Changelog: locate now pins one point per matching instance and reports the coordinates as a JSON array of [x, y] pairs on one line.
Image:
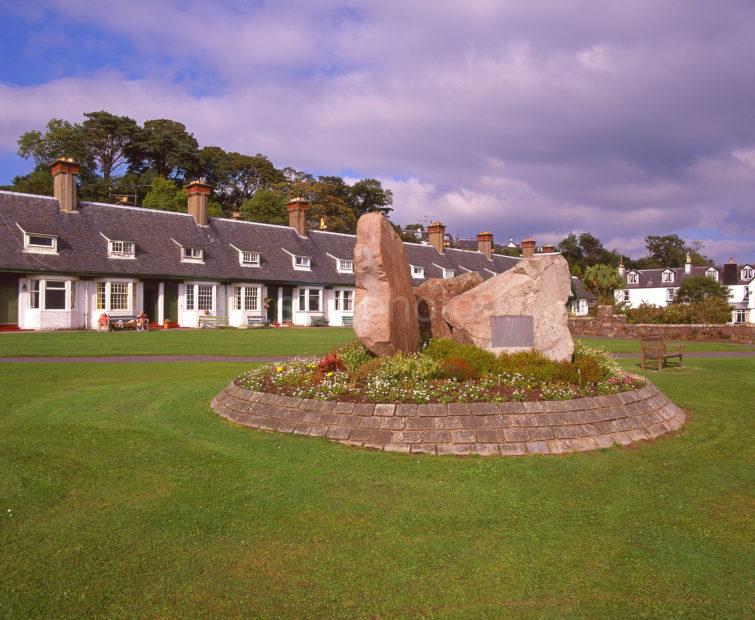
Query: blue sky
[[526, 118]]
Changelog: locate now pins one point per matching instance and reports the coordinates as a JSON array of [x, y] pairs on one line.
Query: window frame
[[241, 297], [340, 301], [103, 289], [670, 293], [748, 273], [301, 263], [191, 297], [417, 272], [250, 263], [667, 277], [625, 296], [191, 254], [448, 274], [633, 278], [34, 248], [344, 265], [305, 293], [712, 273], [121, 254], [37, 289]]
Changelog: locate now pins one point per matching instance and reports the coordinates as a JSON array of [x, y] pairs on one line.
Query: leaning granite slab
[[488, 429], [432, 297], [520, 309], [385, 311]]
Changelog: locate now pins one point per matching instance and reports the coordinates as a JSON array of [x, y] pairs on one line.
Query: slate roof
[[579, 291], [158, 235], [652, 278]]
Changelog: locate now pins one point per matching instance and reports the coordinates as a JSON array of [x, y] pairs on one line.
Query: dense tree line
[[148, 165], [586, 250]]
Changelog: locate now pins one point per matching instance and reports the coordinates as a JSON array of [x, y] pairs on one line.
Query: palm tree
[[602, 280]]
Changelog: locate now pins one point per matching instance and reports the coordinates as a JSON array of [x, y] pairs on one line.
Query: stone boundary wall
[[489, 429], [616, 326]]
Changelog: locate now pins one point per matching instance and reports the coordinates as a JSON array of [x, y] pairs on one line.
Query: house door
[[9, 301], [287, 303], [272, 306], [170, 302], [151, 298]]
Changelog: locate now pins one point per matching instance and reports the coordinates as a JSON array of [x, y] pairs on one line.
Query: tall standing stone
[[385, 312], [520, 309], [433, 295]]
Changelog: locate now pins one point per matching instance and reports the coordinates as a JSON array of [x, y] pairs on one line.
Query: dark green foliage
[[603, 280], [712, 310], [164, 195], [479, 359], [39, 181], [700, 288]]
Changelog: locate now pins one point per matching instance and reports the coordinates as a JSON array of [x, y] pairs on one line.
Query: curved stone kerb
[[514, 428]]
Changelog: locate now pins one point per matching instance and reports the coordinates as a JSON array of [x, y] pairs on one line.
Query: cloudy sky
[[527, 118]]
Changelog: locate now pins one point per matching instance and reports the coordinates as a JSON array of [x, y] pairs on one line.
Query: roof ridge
[[8, 191]]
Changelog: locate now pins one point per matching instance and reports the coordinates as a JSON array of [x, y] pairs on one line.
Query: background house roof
[[83, 250]]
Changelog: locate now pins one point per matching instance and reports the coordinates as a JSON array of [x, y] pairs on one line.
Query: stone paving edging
[[489, 429]]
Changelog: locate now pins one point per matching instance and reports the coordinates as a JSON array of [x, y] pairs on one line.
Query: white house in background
[[64, 262], [658, 286]]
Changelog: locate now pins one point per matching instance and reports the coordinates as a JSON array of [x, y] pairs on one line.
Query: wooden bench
[[213, 322], [318, 321], [347, 321], [656, 351], [257, 321]]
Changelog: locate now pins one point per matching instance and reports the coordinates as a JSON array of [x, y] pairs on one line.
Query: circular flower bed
[[444, 372]]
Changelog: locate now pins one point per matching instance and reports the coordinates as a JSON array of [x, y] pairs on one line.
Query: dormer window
[[40, 244], [249, 259], [448, 273], [121, 249], [345, 266], [748, 273], [667, 276], [418, 272], [302, 263], [633, 278], [192, 255], [712, 273]]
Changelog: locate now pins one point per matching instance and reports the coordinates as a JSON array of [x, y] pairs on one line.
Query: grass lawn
[[122, 494], [289, 341], [618, 345], [233, 342]]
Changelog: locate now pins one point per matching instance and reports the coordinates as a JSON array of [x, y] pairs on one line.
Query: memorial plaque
[[513, 330]]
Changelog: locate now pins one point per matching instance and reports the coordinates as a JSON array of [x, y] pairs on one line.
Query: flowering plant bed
[[444, 372]]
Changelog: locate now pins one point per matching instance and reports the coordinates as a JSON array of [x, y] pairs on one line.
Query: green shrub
[[368, 369], [711, 310], [459, 369], [484, 362], [353, 354], [402, 367]]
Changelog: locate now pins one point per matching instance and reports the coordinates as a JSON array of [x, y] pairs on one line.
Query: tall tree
[[166, 147], [106, 137], [59, 139], [165, 196], [666, 250], [602, 280], [700, 288], [369, 195], [267, 206]]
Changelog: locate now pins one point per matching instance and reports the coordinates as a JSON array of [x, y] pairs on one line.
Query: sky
[[527, 118]]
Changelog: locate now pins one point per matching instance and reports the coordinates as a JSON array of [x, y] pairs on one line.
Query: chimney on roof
[[297, 215], [198, 194], [64, 172], [730, 272], [485, 244], [688, 264], [621, 269], [528, 248], [549, 248], [436, 234]]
